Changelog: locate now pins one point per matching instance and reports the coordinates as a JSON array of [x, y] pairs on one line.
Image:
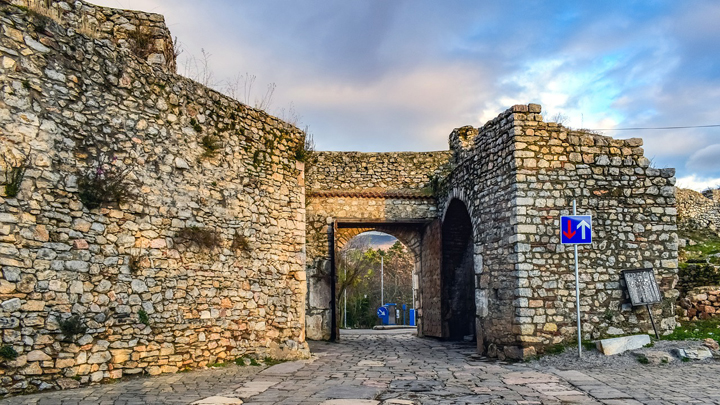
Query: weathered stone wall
[[117, 26], [634, 226], [517, 175], [372, 187], [391, 171], [696, 211], [429, 306], [484, 180], [68, 100]]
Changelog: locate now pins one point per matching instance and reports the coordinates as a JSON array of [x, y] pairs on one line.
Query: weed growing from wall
[[196, 125], [202, 237], [240, 243], [135, 264], [211, 144], [305, 152], [71, 327], [105, 182], [143, 317], [7, 352], [141, 42], [13, 179]]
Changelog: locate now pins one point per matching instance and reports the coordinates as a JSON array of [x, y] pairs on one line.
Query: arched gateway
[[483, 223]]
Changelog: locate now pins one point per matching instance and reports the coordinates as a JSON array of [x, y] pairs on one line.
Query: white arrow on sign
[[582, 225]]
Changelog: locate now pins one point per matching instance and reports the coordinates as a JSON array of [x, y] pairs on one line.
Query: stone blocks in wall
[[144, 34], [634, 226], [149, 299], [518, 174]]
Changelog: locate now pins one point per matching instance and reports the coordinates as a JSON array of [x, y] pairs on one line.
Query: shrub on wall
[[211, 144], [105, 182], [7, 352], [13, 179], [240, 243], [141, 42], [305, 152], [71, 327], [202, 237]]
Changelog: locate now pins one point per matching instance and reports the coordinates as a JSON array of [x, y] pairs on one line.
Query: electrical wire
[[644, 128]]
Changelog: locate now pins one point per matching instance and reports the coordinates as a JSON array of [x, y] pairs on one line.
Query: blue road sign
[[576, 229], [382, 311]]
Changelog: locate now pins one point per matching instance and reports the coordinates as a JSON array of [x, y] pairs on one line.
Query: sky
[[399, 75]]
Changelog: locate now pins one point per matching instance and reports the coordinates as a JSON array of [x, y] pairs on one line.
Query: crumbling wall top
[[145, 33]]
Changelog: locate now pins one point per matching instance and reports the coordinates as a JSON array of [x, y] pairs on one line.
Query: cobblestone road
[[398, 368]]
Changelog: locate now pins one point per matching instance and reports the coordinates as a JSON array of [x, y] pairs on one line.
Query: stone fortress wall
[[481, 218], [515, 177], [699, 211], [68, 100]]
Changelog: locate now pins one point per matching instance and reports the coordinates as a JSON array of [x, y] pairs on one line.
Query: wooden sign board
[[642, 286]]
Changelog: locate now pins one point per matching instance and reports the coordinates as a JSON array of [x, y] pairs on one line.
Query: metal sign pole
[[577, 293], [657, 336], [382, 282]]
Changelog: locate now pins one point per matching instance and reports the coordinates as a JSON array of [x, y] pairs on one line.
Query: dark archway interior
[[458, 284]]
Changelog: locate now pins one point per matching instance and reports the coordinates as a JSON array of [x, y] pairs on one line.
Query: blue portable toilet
[[392, 314], [412, 317], [386, 313]]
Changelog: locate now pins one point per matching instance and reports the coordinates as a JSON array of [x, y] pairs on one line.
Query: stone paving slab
[[400, 369]]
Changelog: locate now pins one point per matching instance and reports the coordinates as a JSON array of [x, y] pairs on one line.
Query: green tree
[[359, 275]]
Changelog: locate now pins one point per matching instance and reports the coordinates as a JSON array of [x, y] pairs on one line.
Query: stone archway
[[458, 281], [409, 233], [410, 241]]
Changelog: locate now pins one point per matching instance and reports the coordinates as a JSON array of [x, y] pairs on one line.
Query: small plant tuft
[[7, 352], [269, 361], [588, 345], [196, 125], [254, 362], [143, 317], [555, 349], [203, 237], [135, 264], [211, 144], [240, 361], [305, 152], [643, 360], [13, 179], [105, 182], [240, 242], [141, 42], [71, 327]]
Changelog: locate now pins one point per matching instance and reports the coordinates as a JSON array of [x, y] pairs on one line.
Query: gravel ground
[[594, 359]]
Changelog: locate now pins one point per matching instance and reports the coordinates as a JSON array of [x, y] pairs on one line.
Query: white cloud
[[366, 76], [706, 159], [696, 183]]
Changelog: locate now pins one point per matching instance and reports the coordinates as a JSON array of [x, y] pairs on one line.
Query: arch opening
[[458, 281], [361, 283]]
